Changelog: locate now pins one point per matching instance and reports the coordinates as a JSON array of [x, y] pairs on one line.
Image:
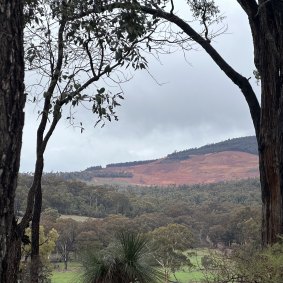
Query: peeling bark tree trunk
[[12, 101], [269, 60]]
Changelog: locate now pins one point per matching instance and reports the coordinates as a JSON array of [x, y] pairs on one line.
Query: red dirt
[[208, 168]]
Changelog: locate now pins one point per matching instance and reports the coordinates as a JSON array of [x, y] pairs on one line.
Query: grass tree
[[125, 260]]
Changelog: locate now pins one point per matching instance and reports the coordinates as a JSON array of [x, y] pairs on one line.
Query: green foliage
[[70, 45], [47, 243], [226, 212], [247, 264], [44, 273], [132, 163], [124, 261], [68, 231], [207, 262], [205, 10], [173, 237], [168, 244], [112, 174], [260, 266], [92, 168], [246, 144]]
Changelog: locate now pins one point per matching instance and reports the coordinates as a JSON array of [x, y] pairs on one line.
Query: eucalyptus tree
[[68, 231], [12, 101], [266, 25], [68, 51], [168, 244]]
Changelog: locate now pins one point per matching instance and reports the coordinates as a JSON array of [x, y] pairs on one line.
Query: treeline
[[93, 168], [227, 212], [112, 174], [88, 175], [131, 163], [85, 175], [245, 144]]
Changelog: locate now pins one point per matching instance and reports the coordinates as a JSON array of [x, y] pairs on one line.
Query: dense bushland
[[226, 212]]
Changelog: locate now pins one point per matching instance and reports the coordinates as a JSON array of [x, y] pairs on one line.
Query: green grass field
[[186, 275], [73, 276], [70, 276], [64, 277], [192, 274]]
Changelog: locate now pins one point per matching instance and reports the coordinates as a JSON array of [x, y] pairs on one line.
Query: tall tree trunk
[[34, 203], [35, 256], [14, 258], [35, 223], [36, 187], [270, 64], [12, 101]]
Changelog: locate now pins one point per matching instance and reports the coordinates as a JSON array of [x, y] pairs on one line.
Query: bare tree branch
[[239, 80]]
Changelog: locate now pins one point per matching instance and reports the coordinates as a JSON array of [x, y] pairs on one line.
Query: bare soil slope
[[206, 168]]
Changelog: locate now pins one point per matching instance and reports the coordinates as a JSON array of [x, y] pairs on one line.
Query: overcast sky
[[194, 104]]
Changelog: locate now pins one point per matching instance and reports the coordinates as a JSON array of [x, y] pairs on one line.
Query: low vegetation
[[237, 265], [85, 217]]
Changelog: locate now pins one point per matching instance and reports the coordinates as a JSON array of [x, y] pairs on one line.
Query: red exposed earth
[[206, 168]]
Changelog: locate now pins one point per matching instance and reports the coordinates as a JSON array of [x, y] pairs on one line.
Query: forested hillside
[[219, 211], [244, 144]]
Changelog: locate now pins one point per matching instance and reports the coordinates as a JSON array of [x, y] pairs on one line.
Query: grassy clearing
[[196, 255], [76, 217], [72, 276], [195, 273], [59, 275], [185, 275], [64, 277]]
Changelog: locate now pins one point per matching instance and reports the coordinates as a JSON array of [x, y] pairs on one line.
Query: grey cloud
[[195, 105]]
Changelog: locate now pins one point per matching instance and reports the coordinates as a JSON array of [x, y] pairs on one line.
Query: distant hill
[[245, 144], [232, 159]]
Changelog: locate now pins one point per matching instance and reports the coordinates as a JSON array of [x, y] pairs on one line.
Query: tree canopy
[[71, 44]]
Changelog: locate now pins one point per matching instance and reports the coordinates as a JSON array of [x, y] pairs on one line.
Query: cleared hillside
[[206, 168], [228, 160], [243, 144]]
